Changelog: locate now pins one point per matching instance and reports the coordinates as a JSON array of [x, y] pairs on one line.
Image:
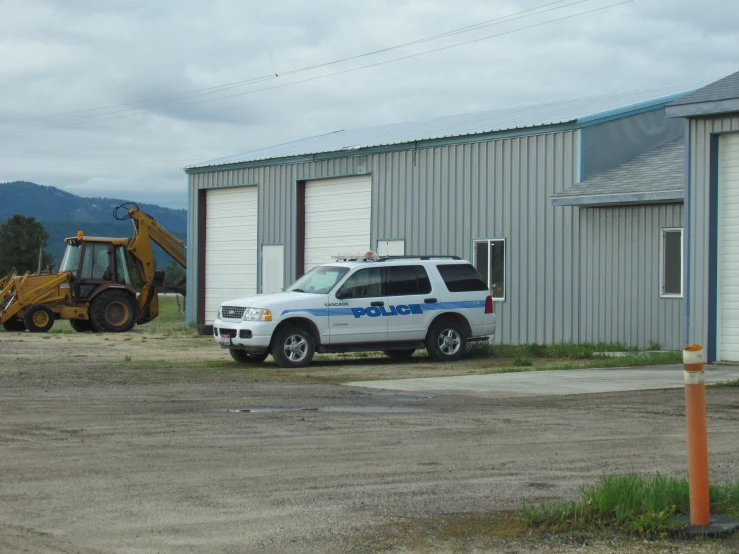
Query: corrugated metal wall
[[698, 203], [440, 199], [620, 276]]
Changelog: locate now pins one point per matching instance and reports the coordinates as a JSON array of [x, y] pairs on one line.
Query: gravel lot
[[104, 454]]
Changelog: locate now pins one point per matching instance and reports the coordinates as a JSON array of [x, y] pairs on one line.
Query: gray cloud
[[76, 54]]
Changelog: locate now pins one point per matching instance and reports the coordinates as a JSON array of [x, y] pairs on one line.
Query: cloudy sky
[[130, 75]]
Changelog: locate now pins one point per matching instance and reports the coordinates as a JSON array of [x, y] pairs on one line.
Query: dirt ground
[[133, 443]]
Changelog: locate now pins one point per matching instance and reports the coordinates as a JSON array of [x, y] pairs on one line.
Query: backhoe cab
[[93, 288]]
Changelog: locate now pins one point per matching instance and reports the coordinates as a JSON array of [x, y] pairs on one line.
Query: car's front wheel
[[446, 340], [293, 347], [247, 358]]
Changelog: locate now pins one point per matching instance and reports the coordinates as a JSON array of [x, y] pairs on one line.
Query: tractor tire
[[38, 318], [14, 325], [113, 312], [247, 358], [81, 325]]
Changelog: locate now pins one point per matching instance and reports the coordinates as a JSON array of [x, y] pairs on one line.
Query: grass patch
[[633, 504], [728, 384], [568, 351]]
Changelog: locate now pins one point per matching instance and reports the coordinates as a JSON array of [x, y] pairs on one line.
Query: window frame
[[386, 280], [352, 274], [488, 241], [663, 236]]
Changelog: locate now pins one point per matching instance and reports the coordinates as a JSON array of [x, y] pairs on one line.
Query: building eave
[[620, 199], [700, 109]]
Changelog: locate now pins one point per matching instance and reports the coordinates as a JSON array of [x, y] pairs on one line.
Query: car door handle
[[430, 300], [378, 303]]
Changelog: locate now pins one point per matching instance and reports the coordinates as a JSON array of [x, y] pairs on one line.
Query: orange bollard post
[[695, 414], [700, 522]]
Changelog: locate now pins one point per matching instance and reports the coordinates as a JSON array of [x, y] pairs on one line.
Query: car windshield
[[319, 280]]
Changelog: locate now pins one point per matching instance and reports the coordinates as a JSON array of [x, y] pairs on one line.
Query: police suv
[[363, 303]]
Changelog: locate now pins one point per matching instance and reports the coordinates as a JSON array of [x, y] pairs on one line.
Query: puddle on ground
[[354, 409]]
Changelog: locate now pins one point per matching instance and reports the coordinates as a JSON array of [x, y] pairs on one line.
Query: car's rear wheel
[[247, 358], [446, 340], [400, 354], [293, 347]]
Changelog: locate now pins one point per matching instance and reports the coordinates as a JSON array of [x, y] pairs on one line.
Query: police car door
[[409, 293], [362, 303]]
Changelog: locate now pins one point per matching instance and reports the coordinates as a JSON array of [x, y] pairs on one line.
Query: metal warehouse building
[[711, 116], [572, 211]]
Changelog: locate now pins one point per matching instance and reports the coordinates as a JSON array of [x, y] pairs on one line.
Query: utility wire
[[271, 76], [103, 118]]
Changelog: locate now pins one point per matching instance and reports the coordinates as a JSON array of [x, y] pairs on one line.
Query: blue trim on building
[[591, 201], [686, 235], [626, 111], [713, 267]]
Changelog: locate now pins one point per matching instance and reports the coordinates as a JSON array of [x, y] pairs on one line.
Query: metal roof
[[655, 176], [584, 111], [723, 89]]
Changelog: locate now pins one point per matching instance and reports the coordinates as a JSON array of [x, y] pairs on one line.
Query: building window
[[672, 263], [490, 263]]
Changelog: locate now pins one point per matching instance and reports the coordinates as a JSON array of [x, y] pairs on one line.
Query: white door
[[728, 252], [391, 248], [230, 246], [273, 268], [337, 218]]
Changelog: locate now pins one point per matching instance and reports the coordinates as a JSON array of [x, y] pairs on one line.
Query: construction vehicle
[[93, 288]]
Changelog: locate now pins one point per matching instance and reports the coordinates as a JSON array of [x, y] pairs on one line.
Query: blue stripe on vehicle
[[325, 312]]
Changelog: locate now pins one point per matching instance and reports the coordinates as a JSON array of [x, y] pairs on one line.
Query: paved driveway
[[556, 383]]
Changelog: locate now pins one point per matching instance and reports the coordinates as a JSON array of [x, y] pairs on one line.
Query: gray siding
[[559, 286], [620, 276], [697, 206]]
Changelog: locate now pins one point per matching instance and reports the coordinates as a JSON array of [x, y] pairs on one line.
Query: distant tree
[[20, 240], [174, 276]]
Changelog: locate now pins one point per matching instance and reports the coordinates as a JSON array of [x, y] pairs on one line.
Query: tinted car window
[[365, 283], [461, 278], [407, 280]]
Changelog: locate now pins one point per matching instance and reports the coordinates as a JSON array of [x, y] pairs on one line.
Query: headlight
[[257, 314], [218, 314]]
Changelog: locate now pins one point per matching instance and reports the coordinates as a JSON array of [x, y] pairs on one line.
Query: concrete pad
[[556, 383]]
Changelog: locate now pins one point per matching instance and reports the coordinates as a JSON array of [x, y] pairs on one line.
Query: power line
[[102, 118], [277, 74]]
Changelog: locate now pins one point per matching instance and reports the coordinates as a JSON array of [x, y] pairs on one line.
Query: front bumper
[[252, 336]]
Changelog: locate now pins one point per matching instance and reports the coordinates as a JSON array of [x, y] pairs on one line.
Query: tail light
[[489, 309]]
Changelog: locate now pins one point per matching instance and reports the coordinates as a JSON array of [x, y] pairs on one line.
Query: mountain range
[[62, 214]]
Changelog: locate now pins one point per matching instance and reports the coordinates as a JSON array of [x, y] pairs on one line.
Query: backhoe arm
[[146, 231]]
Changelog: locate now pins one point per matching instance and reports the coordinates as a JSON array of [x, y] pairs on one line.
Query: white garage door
[[337, 218], [728, 254], [230, 246]]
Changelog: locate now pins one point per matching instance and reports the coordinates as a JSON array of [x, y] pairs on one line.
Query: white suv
[[393, 304]]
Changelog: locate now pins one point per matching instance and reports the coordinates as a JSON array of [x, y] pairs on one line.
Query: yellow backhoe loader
[[93, 288]]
